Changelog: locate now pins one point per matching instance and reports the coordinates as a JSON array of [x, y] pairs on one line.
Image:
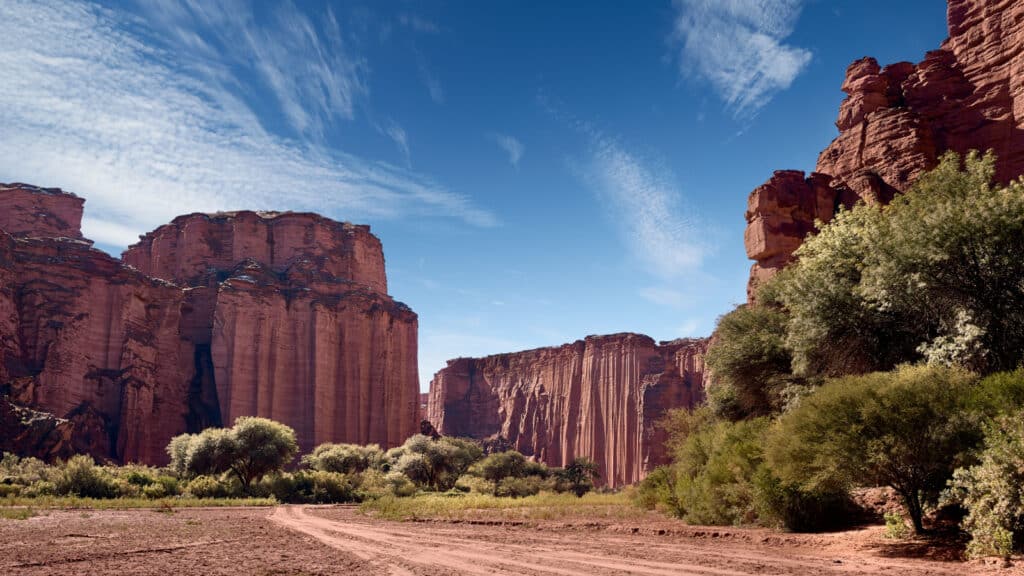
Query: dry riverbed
[[306, 540]]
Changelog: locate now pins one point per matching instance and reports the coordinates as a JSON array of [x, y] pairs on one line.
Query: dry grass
[[17, 513], [74, 503], [543, 506]]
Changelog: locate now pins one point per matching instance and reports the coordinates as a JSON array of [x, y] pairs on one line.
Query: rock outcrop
[[894, 124], [599, 397], [208, 318]]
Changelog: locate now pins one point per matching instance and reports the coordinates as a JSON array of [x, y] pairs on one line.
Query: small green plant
[[895, 527]]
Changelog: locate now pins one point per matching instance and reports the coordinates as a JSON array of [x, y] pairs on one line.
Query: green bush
[[81, 477], [344, 458], [474, 484], [993, 490], [908, 429], [518, 487], [658, 491], [793, 508], [434, 464], [154, 491], [208, 487], [749, 363]]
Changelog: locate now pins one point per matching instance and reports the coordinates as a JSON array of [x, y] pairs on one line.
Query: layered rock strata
[[894, 124], [217, 316], [599, 397]]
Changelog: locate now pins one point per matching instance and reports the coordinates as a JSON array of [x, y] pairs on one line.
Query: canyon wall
[[207, 318], [894, 124], [599, 397]]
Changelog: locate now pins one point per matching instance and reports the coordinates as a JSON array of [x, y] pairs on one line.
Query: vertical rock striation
[[894, 124], [207, 318], [599, 397]]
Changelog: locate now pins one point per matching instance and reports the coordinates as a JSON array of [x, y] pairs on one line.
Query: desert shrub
[[435, 464], [10, 490], [154, 491], [580, 475], [657, 491], [993, 490], [344, 458], [474, 484], [518, 487], [793, 508], [170, 484], [399, 485], [23, 471], [500, 465], [908, 429], [895, 526], [81, 477], [39, 488], [208, 487], [749, 363], [1000, 393], [714, 468]]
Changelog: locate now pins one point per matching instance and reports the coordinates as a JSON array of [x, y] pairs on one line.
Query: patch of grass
[[543, 506], [75, 503], [17, 513]]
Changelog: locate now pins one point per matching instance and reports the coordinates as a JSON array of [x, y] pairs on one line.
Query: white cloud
[[512, 147], [89, 104], [738, 47], [429, 79], [400, 138], [648, 208]]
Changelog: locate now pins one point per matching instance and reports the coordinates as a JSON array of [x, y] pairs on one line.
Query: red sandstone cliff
[[599, 397], [894, 124], [218, 316]]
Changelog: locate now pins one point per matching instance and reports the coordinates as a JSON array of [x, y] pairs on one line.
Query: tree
[[500, 465], [344, 458], [262, 446], [908, 429], [935, 275], [580, 474], [250, 449], [748, 362], [434, 463]]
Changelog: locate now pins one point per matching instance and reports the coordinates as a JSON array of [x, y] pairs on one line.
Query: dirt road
[[439, 548], [299, 540]]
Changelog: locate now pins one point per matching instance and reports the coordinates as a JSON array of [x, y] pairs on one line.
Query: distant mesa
[[600, 397], [210, 317]]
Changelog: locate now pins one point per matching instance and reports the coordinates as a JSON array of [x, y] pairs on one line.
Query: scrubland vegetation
[[253, 463], [888, 354]]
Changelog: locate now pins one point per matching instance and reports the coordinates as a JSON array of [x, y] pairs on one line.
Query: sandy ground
[[296, 540]]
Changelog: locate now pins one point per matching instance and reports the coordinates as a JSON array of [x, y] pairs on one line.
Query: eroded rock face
[[27, 210], [896, 121], [599, 397], [218, 316]]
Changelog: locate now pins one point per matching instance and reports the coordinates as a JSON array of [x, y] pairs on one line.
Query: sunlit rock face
[[599, 397], [894, 124], [205, 319]]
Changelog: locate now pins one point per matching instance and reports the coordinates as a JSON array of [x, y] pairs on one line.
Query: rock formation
[[208, 318], [599, 397], [894, 124]]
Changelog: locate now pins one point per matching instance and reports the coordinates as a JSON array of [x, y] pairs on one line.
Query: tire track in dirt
[[395, 548]]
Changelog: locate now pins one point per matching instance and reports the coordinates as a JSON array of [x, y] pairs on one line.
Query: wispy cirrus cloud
[[92, 103], [738, 46], [649, 208], [513, 148]]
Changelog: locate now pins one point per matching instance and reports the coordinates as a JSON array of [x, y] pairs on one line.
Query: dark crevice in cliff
[[203, 405]]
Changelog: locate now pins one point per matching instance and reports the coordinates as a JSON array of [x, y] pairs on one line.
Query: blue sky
[[537, 171]]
